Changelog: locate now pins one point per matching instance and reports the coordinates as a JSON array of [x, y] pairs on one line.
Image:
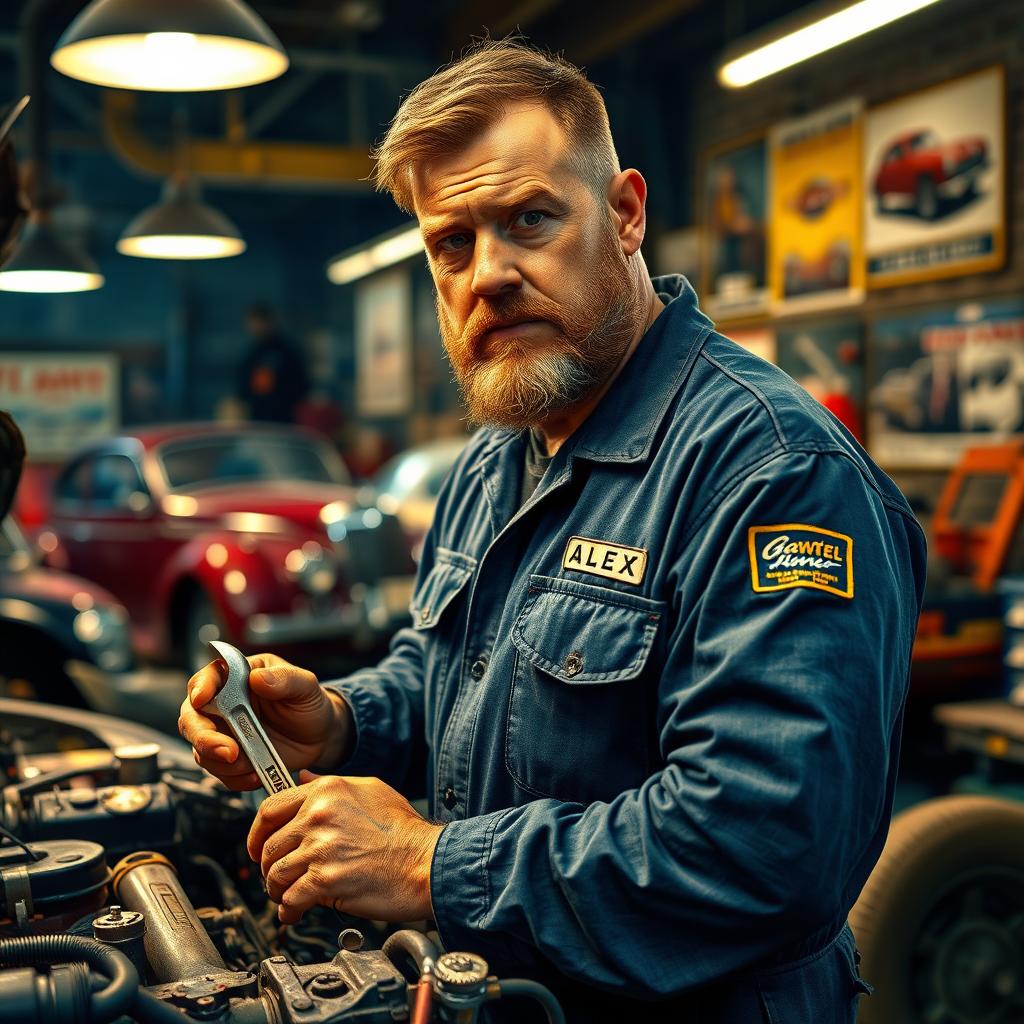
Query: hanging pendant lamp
[[42, 262], [181, 227], [170, 46]]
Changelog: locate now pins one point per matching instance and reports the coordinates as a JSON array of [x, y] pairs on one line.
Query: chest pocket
[[450, 573], [580, 716]]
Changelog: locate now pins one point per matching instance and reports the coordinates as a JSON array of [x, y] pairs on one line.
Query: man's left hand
[[351, 843]]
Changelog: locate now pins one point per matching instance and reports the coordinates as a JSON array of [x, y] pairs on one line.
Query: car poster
[[60, 400], [735, 205], [759, 340], [946, 379], [816, 256], [827, 359], [384, 345], [934, 181]]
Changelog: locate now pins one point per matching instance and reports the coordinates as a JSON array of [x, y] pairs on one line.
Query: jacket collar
[[622, 426]]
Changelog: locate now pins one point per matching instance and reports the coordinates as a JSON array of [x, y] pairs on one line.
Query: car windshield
[[201, 462], [420, 472], [924, 140]]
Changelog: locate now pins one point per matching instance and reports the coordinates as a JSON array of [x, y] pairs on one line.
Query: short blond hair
[[444, 112]]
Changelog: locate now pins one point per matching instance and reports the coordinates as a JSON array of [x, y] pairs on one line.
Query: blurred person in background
[[272, 377]]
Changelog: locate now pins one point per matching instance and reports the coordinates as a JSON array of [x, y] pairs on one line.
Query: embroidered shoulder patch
[[798, 555], [599, 558]]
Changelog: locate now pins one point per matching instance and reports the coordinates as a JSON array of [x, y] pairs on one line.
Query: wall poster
[[734, 205], [384, 345], [934, 166], [827, 359], [816, 256], [945, 379], [60, 400]]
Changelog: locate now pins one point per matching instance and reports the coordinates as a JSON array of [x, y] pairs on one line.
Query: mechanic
[[661, 628]]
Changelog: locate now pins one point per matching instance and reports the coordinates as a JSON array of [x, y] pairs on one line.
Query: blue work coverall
[[659, 705]]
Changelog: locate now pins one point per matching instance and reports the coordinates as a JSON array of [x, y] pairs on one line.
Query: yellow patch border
[[752, 533], [589, 571]]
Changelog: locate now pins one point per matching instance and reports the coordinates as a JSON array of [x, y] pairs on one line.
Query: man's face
[[532, 284]]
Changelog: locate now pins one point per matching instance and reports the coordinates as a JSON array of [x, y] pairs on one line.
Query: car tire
[[31, 670], [926, 198], [940, 923], [202, 623]]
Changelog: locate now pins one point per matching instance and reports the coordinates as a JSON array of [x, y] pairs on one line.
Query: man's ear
[[627, 196]]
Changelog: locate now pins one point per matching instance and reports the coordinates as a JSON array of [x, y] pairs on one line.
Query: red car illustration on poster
[[252, 534], [923, 175]]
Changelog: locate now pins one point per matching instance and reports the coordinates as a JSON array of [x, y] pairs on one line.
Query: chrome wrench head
[[232, 704]]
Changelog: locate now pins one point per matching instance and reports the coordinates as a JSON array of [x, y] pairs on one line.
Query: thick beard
[[513, 386]]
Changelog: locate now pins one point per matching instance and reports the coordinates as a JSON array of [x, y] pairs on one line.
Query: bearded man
[[655, 698]]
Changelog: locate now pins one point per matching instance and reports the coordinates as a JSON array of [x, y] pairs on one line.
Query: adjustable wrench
[[232, 704]]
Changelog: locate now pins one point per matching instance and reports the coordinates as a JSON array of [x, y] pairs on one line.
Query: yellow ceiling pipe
[[235, 159]]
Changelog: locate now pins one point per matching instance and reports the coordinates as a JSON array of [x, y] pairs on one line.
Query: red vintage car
[[249, 533], [921, 174]]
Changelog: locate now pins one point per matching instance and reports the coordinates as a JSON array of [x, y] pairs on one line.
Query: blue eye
[[531, 218], [453, 243]]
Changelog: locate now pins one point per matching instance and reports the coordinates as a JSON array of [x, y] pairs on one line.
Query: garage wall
[[951, 39]]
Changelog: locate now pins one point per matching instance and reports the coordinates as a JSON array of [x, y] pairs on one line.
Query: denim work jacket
[[658, 707]]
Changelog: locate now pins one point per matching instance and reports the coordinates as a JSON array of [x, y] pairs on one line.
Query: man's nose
[[494, 270]]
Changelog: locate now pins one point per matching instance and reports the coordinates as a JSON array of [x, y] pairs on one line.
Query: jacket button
[[573, 663], [478, 668], [449, 799]]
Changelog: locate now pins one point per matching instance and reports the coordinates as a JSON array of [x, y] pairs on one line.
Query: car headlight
[[105, 632], [312, 567]]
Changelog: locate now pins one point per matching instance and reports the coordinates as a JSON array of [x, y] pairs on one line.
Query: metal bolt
[[115, 912], [351, 939]]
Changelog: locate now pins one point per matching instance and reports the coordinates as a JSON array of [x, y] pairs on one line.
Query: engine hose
[[536, 991], [412, 943], [108, 1003]]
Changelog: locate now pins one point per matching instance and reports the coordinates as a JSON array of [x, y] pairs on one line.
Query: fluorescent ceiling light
[[43, 263], [375, 255], [156, 45], [821, 35], [181, 227]]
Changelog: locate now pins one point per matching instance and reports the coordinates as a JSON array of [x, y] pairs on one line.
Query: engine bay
[[126, 891]]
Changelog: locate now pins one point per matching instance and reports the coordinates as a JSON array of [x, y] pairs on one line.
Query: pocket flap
[[585, 634], [449, 574]]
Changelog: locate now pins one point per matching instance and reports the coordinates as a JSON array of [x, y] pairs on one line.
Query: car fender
[[52, 623], [213, 561]]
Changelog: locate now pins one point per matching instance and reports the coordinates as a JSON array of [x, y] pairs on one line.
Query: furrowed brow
[[434, 229]]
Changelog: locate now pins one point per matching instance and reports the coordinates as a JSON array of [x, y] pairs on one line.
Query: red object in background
[[844, 408], [249, 533], [32, 504], [918, 170]]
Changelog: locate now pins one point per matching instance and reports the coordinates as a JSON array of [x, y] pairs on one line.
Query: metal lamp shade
[[169, 46], [181, 227], [44, 263]]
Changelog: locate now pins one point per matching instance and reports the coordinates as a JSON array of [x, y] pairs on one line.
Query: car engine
[[126, 891]]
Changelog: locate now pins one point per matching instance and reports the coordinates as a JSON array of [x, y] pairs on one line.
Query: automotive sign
[[934, 173], [60, 401], [816, 258], [944, 380]]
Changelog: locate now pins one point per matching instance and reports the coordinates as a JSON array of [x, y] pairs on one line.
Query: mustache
[[513, 309]]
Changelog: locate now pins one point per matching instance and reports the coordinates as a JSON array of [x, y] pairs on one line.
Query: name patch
[[797, 555], [599, 558]]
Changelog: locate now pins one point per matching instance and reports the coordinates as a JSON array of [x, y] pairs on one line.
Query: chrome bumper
[[376, 611]]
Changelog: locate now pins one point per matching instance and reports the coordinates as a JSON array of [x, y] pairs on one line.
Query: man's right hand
[[309, 725]]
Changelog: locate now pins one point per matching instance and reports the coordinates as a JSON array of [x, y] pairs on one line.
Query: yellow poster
[[816, 258]]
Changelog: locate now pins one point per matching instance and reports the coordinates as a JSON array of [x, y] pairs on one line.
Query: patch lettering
[[791, 555], [599, 558]]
